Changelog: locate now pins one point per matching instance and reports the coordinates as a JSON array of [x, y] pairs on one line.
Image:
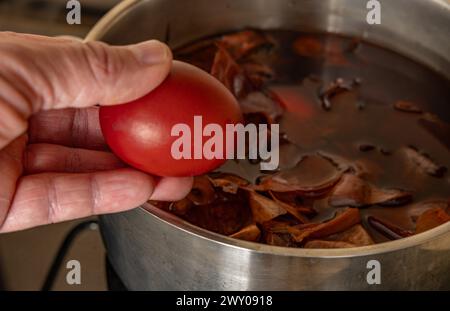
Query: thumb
[[113, 75], [42, 73]]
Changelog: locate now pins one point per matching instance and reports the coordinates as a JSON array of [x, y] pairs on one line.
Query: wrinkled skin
[[54, 163]]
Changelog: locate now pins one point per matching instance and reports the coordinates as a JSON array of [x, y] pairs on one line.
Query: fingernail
[[151, 52]]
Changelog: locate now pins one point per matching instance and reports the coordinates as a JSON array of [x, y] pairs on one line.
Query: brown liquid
[[360, 117]]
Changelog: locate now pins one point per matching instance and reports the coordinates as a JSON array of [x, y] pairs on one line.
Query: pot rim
[[109, 18], [179, 224], [183, 226]]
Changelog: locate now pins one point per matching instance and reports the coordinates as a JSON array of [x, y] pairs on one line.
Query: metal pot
[[153, 250]]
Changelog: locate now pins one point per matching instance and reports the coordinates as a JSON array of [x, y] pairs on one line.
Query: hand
[[54, 163]]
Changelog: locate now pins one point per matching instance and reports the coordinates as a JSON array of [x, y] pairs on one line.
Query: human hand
[[54, 163]]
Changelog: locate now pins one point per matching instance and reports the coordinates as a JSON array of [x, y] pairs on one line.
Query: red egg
[[140, 132]]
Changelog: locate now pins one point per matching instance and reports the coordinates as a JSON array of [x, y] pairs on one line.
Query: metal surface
[[155, 250]]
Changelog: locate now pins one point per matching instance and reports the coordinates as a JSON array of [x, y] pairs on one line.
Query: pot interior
[[181, 22], [414, 28]]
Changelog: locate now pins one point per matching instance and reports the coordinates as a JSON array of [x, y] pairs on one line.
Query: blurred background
[[26, 257], [48, 17]]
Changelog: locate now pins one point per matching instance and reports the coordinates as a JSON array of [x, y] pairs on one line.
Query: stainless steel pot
[[153, 250]]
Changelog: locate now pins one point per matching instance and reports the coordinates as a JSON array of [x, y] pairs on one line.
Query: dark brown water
[[362, 126]]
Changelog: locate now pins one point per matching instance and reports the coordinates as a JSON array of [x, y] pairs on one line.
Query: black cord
[[56, 265]]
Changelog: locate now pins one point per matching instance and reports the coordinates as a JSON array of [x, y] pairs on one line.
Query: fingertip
[[157, 64], [120, 74], [123, 189], [152, 52], [172, 188], [154, 63]]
